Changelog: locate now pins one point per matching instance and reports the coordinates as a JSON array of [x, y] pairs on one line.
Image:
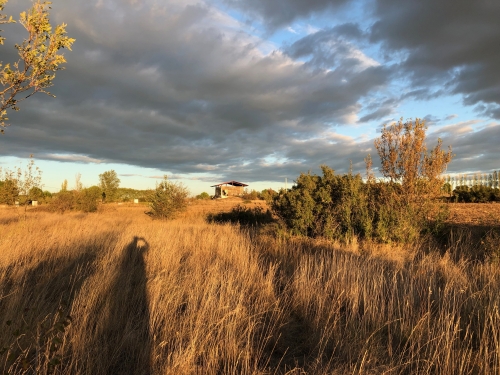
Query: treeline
[[491, 180], [266, 194], [475, 194], [476, 188], [22, 187], [85, 199]]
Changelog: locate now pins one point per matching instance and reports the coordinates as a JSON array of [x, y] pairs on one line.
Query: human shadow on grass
[[122, 337]]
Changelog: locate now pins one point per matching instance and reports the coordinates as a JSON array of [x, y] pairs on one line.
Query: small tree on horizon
[[168, 199], [406, 159], [109, 183]]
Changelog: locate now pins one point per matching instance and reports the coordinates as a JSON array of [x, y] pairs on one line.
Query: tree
[[39, 58], [36, 193], [8, 191], [86, 199], [446, 188], [64, 186], [78, 182], [109, 183], [406, 160], [168, 199], [203, 196]]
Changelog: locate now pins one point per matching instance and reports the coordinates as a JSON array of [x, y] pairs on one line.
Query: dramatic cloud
[[453, 44], [192, 88], [474, 143], [277, 13], [184, 91]]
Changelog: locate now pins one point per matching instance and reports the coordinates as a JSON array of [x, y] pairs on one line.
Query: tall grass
[[188, 297]]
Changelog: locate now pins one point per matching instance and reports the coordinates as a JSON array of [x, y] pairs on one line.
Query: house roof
[[233, 183]]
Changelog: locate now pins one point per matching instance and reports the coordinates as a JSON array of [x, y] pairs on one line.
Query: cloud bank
[[190, 87]]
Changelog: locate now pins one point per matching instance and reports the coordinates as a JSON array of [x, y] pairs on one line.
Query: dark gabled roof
[[233, 183]]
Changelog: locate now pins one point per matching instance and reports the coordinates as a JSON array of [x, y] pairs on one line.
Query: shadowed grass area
[[189, 297], [240, 214]]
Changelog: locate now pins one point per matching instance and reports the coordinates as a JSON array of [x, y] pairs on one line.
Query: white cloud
[[71, 157]]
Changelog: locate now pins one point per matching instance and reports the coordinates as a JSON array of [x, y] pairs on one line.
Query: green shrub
[[9, 192], [47, 196], [268, 194], [476, 194], [203, 196], [330, 206], [36, 194], [86, 200], [250, 195], [63, 201], [168, 200], [343, 207]]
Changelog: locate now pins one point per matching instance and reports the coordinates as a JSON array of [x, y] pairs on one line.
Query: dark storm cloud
[[328, 48], [181, 88], [451, 43], [330, 149], [474, 144], [278, 13]]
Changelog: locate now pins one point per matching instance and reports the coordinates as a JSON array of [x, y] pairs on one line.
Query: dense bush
[[250, 195], [8, 191], [268, 194], [168, 200], [85, 200], [63, 201], [203, 196], [475, 194], [344, 207]]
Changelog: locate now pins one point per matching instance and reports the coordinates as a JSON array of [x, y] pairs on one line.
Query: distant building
[[229, 189]]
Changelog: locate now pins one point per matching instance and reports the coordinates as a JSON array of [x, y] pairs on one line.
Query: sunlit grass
[[188, 297]]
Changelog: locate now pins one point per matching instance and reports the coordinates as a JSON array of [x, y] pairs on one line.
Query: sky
[[255, 91]]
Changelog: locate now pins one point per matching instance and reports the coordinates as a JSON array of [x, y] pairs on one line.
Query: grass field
[[189, 297]]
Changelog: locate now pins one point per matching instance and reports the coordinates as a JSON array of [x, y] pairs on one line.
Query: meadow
[[115, 292]]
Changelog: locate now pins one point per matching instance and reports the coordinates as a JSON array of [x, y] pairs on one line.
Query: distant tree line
[[21, 187], [491, 180], [475, 188]]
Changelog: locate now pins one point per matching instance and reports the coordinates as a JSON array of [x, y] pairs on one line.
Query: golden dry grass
[[483, 214], [188, 297]]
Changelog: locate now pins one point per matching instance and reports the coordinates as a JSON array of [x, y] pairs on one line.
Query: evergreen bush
[[168, 200]]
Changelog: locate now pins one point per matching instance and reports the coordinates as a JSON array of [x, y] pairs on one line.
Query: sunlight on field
[[188, 297]]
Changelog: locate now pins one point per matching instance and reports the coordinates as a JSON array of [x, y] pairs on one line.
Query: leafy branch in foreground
[[39, 58]]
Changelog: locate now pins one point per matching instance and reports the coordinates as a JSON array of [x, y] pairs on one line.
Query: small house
[[229, 189]]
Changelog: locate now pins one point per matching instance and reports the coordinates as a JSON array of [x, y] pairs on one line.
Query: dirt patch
[[475, 214]]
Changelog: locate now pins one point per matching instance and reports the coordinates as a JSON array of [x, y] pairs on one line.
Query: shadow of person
[[125, 333]]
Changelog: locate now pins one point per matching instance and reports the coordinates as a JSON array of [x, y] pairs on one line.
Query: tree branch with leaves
[[39, 58]]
